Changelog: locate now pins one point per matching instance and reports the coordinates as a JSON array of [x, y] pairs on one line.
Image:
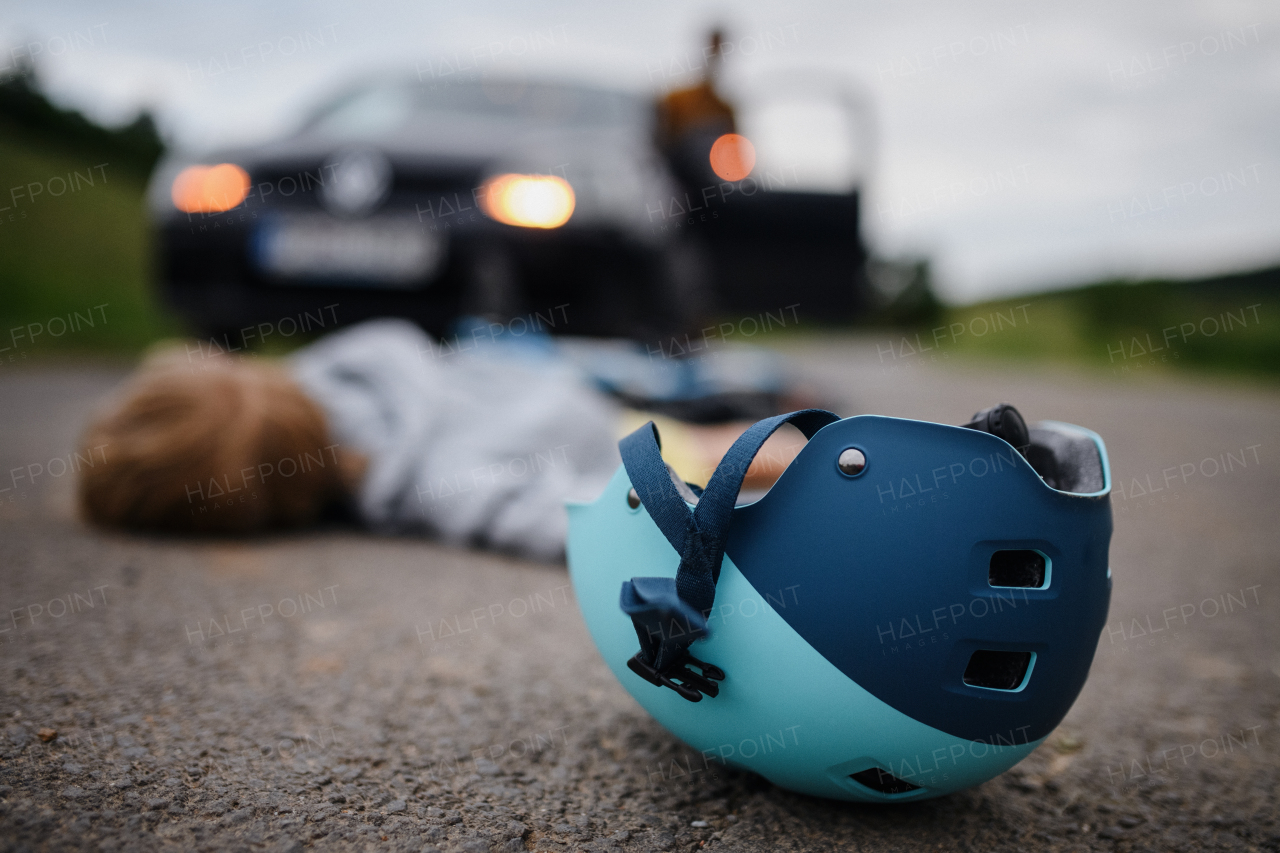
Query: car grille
[[432, 191]]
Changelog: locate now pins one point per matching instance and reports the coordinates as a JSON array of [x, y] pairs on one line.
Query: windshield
[[385, 107]]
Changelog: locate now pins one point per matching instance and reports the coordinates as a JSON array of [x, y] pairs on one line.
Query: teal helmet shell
[[900, 633]]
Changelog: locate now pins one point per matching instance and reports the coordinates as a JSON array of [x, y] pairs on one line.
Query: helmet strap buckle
[[689, 684]]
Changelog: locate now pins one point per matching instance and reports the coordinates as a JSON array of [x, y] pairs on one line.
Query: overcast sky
[[1020, 146]]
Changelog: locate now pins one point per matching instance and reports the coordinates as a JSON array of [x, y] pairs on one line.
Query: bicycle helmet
[[908, 611]]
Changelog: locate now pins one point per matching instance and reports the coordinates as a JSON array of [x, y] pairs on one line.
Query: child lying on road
[[478, 450]]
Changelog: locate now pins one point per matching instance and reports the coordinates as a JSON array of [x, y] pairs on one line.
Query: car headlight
[[209, 189], [530, 201]]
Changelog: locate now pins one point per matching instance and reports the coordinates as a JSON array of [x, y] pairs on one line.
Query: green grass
[[62, 256], [1222, 325]]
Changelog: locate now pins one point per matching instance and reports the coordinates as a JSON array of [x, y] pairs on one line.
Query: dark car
[[498, 199], [511, 200]]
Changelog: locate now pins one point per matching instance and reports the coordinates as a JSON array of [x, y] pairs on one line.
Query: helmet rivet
[[633, 499], [852, 462]]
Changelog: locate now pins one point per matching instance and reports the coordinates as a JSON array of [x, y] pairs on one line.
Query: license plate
[[376, 252]]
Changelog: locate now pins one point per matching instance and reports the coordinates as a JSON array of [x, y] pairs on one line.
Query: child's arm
[[694, 450], [770, 462]]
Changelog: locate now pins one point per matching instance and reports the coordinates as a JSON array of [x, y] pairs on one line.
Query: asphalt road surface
[[336, 690]]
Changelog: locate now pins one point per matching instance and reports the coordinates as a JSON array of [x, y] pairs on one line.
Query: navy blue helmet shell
[[909, 610]]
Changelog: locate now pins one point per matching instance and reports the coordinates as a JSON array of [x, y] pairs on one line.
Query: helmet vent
[[997, 670], [882, 781], [1017, 568]]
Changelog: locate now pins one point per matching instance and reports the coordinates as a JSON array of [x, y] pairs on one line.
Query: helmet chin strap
[[670, 613]]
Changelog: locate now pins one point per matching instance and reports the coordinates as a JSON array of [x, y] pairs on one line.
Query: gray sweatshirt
[[482, 447]]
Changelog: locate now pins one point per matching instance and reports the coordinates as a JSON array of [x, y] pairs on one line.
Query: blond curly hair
[[223, 445]]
